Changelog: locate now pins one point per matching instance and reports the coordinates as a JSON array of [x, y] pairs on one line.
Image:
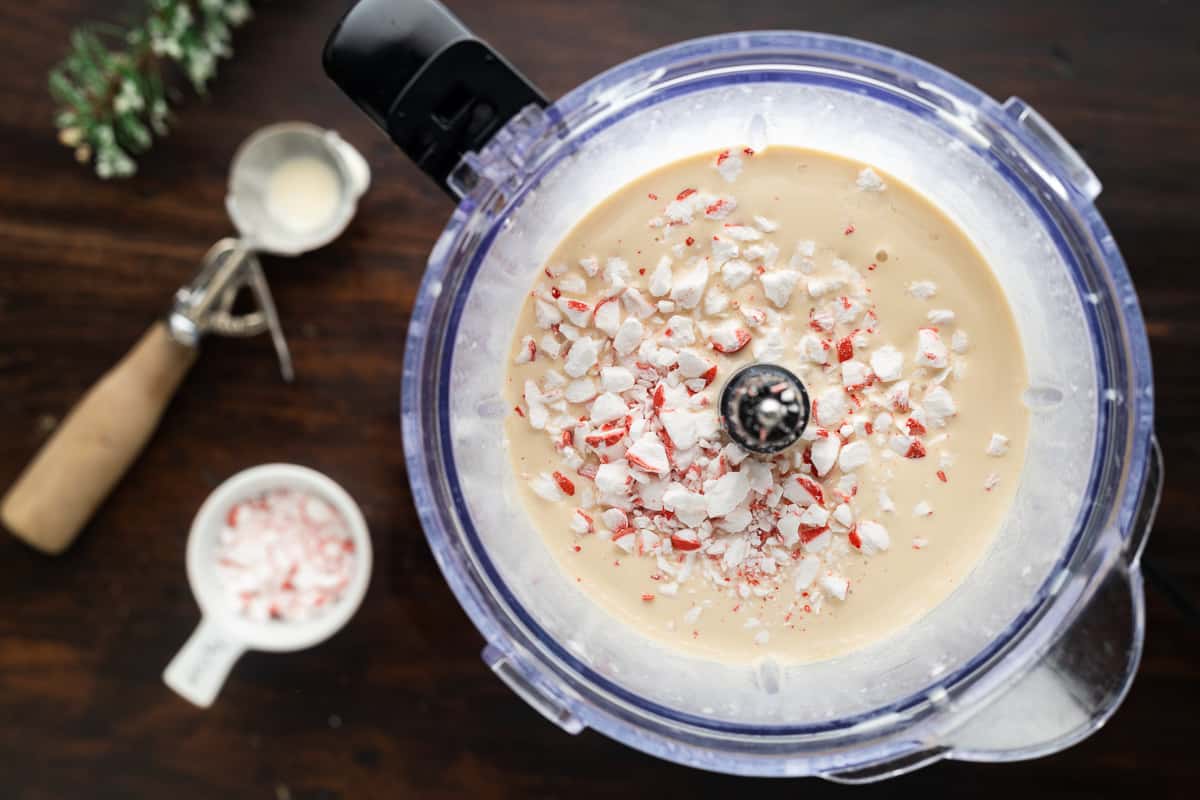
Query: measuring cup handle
[[199, 670]]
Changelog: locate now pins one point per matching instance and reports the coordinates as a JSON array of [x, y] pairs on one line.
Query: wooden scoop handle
[[89, 452]]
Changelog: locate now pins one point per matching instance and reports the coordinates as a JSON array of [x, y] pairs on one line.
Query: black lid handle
[[418, 72]]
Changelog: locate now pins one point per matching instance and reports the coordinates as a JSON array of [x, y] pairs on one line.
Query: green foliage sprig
[[111, 89]]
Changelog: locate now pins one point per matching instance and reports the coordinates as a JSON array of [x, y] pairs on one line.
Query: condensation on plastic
[[1025, 198]]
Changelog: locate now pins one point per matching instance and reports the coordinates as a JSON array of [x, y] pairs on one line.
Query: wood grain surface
[[399, 704]]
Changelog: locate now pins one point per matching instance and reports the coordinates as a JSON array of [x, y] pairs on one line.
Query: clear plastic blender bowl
[[1037, 647]]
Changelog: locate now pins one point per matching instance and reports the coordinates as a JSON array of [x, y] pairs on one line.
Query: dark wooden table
[[399, 704]]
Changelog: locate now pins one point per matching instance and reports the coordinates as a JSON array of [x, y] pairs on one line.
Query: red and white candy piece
[[284, 555]]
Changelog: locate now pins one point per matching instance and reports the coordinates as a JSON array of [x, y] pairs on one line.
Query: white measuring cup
[[199, 670]]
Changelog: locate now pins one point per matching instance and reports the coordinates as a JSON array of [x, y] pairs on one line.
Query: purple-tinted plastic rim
[[1122, 354]]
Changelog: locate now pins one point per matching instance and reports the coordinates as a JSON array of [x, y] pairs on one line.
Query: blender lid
[[1094, 574]]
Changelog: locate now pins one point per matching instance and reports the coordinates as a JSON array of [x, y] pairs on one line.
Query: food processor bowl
[[1034, 650]]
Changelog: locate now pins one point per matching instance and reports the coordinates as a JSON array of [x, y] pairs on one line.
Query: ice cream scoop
[[293, 187]]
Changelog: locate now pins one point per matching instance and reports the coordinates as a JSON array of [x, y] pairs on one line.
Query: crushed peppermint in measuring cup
[[284, 555]]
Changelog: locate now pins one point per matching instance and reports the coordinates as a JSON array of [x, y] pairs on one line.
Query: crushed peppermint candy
[[284, 555], [922, 290], [869, 181], [622, 372]]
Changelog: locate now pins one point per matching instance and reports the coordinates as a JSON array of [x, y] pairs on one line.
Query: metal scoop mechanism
[[206, 304]]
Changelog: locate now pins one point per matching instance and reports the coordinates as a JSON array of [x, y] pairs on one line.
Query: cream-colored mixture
[[845, 276], [302, 193]]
